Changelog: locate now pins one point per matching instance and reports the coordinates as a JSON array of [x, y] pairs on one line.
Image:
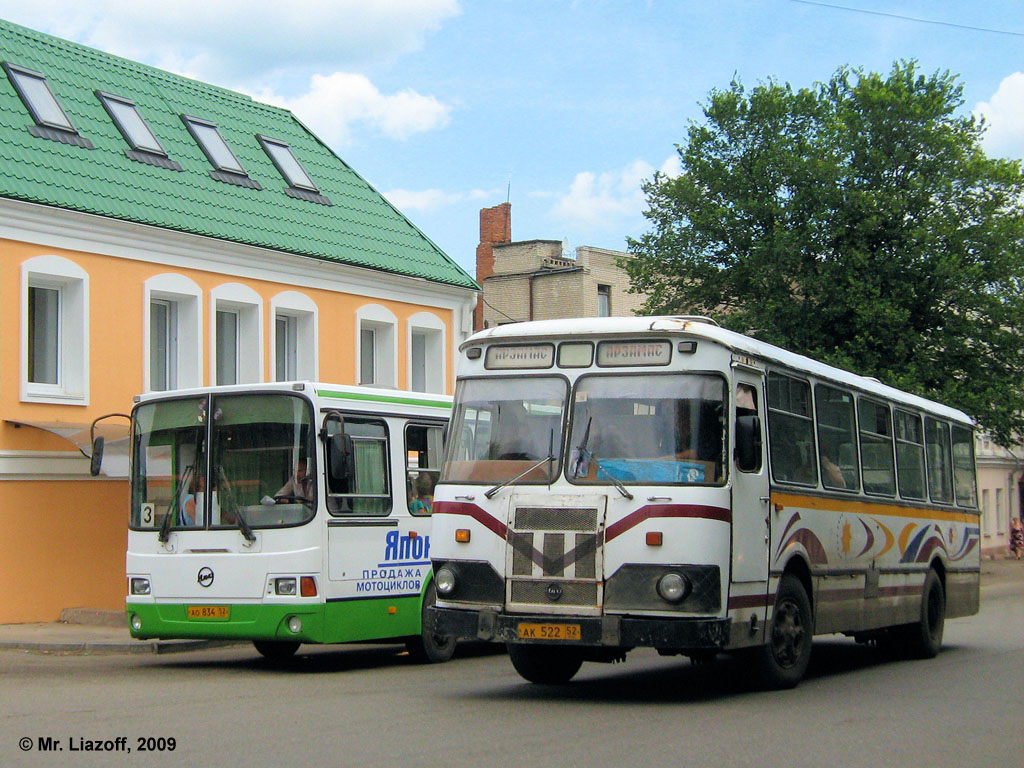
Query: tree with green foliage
[[858, 222]]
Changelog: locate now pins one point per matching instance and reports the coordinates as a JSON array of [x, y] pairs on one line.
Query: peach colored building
[[159, 233]]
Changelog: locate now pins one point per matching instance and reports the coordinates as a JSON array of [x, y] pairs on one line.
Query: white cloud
[[1004, 115], [434, 200], [335, 103], [608, 201], [231, 40]]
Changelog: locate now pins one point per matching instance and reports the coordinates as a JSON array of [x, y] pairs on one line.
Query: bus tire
[[924, 639], [428, 647], [276, 650], [545, 664], [783, 659]]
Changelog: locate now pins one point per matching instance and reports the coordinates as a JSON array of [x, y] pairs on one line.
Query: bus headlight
[[140, 586], [444, 581], [285, 586], [294, 624], [136, 622], [674, 587]]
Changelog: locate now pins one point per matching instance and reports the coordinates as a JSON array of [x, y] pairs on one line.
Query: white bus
[[615, 483], [285, 514]]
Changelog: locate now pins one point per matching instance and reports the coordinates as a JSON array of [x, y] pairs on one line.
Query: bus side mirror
[[96, 460], [748, 443], [341, 461]]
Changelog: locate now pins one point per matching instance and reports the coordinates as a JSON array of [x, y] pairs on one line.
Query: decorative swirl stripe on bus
[[915, 543]]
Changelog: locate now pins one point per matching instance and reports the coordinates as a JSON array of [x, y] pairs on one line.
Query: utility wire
[[908, 18], [485, 301]]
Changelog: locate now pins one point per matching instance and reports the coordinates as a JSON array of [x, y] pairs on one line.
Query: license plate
[[209, 612], [549, 632]]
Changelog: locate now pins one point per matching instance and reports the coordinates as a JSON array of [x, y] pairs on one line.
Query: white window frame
[[304, 313], [243, 300], [187, 298], [383, 323], [435, 333], [72, 282]]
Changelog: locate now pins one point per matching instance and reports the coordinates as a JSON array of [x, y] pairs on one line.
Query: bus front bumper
[[601, 631]]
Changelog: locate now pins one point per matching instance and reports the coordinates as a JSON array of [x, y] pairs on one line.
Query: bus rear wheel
[[783, 660], [545, 664], [428, 647], [276, 650]]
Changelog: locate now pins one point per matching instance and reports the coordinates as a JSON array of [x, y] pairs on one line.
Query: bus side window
[[837, 445], [748, 430], [424, 452], [791, 430]]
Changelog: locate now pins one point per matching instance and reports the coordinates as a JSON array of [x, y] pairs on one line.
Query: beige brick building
[[535, 280]]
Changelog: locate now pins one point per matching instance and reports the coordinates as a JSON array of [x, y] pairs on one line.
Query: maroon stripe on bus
[[666, 510], [750, 601], [471, 510]]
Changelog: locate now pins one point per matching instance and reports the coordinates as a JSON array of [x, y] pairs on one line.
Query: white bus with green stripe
[[284, 514]]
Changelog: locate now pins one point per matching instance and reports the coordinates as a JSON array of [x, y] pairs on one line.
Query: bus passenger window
[[424, 453], [964, 484], [876, 448], [791, 431], [936, 438], [369, 490], [837, 447], [909, 455]]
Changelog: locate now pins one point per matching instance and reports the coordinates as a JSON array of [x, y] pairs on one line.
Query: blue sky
[[564, 108]]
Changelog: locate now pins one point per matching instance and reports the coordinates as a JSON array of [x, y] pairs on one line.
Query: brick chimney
[[495, 227]]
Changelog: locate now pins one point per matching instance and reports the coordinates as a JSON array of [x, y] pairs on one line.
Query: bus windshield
[[648, 429], [227, 461], [505, 426]]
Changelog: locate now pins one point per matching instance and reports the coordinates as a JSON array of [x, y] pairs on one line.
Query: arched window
[[54, 331], [173, 317]]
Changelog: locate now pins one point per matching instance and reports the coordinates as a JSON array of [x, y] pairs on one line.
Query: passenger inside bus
[[422, 499]]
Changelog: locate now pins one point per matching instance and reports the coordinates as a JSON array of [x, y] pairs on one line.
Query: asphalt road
[[371, 706]]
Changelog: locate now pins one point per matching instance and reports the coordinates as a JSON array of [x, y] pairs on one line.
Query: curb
[[102, 648]]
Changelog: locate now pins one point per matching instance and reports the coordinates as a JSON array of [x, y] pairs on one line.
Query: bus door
[[377, 547], [750, 494]]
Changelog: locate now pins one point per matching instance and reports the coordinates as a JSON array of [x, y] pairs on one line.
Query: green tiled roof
[[360, 228]]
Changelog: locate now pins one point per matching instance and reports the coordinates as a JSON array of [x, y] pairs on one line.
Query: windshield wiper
[[615, 481], [490, 492], [546, 460], [231, 507], [583, 454], [165, 526], [581, 450]]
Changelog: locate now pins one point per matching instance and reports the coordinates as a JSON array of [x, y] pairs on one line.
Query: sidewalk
[[85, 632]]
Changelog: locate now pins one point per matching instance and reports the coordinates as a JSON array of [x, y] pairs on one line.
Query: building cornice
[[75, 231]]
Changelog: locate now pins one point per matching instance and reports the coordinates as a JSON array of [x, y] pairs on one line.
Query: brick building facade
[[535, 280]]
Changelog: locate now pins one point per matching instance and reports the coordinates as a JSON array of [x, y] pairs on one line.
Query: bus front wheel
[[430, 648], [276, 650], [545, 664], [924, 639], [784, 658]]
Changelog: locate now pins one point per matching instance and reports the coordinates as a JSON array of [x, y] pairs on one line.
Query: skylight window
[[211, 142], [301, 185], [52, 122], [128, 120], [286, 163], [226, 165]]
